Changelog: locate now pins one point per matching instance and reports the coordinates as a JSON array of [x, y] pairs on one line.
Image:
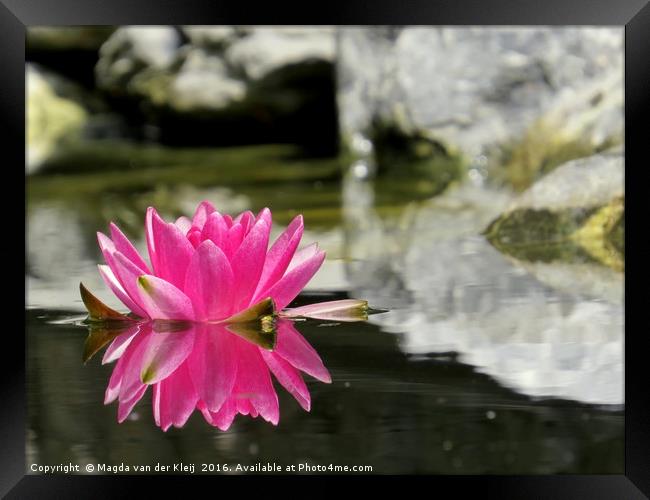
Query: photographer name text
[[191, 468]]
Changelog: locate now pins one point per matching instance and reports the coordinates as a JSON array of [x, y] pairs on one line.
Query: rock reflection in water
[[464, 296], [220, 370]]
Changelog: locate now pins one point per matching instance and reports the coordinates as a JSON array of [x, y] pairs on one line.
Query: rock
[[266, 50], [69, 51], [132, 50], [583, 183], [228, 74], [449, 292], [203, 83], [575, 214], [220, 86], [63, 115], [486, 91], [55, 115], [218, 37]]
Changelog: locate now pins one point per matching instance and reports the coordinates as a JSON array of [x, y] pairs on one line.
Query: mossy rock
[[603, 234], [616, 234], [574, 215], [54, 118], [542, 148], [539, 235]]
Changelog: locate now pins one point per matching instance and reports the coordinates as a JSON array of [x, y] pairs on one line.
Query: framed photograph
[[362, 243]]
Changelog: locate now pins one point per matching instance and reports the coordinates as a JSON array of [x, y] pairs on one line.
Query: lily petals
[[115, 382], [213, 366], [162, 300], [119, 382], [254, 383], [279, 255], [290, 285], [194, 236], [288, 377], [202, 345], [335, 310], [148, 231], [216, 230], [234, 238], [111, 280], [125, 408], [133, 357], [107, 247], [201, 214], [173, 251], [184, 224], [248, 261], [209, 282], [293, 347], [302, 255], [223, 418], [246, 219], [170, 409], [124, 246], [128, 273], [164, 353], [119, 345], [265, 215]]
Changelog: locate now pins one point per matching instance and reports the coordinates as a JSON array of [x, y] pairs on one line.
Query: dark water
[[482, 364], [384, 409]]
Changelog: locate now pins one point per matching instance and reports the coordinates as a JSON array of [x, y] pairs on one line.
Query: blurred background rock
[[503, 104], [193, 86], [513, 102]]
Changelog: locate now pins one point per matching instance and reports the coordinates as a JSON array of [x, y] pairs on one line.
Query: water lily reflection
[[219, 369]]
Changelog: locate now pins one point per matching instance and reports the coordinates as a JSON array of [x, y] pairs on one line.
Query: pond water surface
[[479, 363]]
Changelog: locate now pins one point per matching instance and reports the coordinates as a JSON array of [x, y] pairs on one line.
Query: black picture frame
[[634, 15]]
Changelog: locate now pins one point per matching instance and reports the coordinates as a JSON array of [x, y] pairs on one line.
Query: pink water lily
[[207, 334], [207, 268], [205, 367]]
